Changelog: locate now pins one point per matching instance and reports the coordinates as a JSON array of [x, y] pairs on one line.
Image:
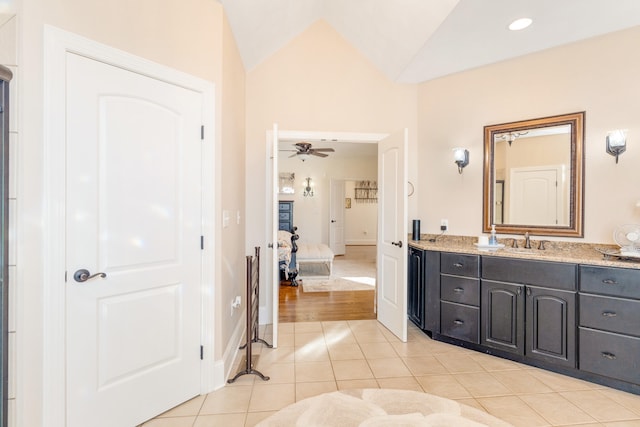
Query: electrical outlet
[[444, 224]]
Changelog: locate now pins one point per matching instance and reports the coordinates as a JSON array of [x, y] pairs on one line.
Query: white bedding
[[317, 253]]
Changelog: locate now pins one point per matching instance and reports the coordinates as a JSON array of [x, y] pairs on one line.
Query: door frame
[[275, 136], [57, 43]]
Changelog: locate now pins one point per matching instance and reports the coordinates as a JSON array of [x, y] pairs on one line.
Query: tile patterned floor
[[320, 357]]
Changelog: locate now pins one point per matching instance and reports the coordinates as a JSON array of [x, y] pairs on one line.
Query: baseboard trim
[[223, 367]]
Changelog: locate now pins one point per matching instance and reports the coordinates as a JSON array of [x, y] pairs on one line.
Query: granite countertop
[[559, 251]]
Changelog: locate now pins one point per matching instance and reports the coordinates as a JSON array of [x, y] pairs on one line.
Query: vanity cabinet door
[[551, 326], [423, 289], [415, 287], [502, 316]]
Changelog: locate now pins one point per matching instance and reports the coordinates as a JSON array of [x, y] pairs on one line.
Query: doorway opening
[[330, 214]]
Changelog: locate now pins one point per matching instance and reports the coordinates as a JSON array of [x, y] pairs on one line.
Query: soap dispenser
[[493, 240]]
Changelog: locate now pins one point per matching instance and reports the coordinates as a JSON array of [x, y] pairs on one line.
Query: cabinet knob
[[609, 282], [458, 322], [608, 355], [609, 314], [458, 290], [458, 265]]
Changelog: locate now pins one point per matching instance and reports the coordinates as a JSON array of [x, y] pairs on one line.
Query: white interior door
[[272, 167], [392, 233], [534, 196], [336, 215], [133, 209]]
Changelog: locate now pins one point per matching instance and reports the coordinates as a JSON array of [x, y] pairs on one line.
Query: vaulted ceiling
[[413, 41]]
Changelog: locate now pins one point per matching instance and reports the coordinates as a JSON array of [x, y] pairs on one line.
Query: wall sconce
[[616, 142], [308, 191], [461, 158]]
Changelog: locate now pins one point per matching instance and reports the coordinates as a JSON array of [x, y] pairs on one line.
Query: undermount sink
[[523, 251]]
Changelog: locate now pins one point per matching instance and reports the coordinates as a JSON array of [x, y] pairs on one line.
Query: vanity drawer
[[618, 282], [610, 314], [460, 264], [463, 290], [460, 321], [610, 354], [557, 275]]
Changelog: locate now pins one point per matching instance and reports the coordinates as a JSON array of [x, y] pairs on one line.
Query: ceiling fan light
[[520, 24], [303, 156]]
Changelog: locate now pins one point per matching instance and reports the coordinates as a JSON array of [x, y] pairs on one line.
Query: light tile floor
[[320, 357]]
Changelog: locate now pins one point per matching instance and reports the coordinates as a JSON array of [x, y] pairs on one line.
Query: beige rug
[[380, 407], [335, 284]]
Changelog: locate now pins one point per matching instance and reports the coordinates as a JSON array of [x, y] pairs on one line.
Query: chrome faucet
[[527, 241]]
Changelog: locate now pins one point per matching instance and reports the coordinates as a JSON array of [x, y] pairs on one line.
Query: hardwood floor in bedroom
[[298, 306]]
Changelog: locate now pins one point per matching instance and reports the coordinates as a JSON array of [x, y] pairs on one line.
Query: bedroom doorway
[[354, 159]]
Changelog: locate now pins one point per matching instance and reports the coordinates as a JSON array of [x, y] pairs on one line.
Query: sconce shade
[[617, 142], [461, 158]]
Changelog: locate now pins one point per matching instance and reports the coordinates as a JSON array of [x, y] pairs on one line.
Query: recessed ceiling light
[[520, 24]]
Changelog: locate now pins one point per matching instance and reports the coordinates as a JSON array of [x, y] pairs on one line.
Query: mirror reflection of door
[[534, 196]]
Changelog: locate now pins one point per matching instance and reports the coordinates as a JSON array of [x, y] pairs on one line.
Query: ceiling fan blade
[[326, 150], [315, 153], [293, 155]]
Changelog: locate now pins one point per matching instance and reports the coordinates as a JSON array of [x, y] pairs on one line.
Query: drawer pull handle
[[609, 282], [458, 265], [458, 290], [609, 314], [458, 322], [608, 355]]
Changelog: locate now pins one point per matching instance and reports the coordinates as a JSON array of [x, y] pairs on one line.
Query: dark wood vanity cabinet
[[610, 322], [528, 308], [423, 289], [582, 320]]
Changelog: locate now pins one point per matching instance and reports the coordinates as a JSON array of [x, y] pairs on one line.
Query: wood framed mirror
[[534, 176]]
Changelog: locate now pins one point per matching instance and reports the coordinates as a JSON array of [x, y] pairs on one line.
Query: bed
[[303, 259], [287, 252], [318, 256]]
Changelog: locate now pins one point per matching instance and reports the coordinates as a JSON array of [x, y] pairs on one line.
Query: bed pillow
[[284, 239]]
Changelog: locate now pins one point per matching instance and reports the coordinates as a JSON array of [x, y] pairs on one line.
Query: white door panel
[[392, 234], [336, 214], [134, 213], [272, 168]]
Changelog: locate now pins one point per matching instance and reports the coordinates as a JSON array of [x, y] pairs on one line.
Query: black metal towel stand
[[253, 303]]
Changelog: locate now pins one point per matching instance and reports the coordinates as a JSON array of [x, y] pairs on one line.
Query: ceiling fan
[[304, 150]]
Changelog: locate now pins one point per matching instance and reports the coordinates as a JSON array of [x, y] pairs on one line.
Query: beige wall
[[190, 36], [599, 76], [311, 214], [232, 187]]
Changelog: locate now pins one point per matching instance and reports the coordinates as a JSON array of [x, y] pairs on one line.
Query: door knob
[[398, 243], [83, 275]]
